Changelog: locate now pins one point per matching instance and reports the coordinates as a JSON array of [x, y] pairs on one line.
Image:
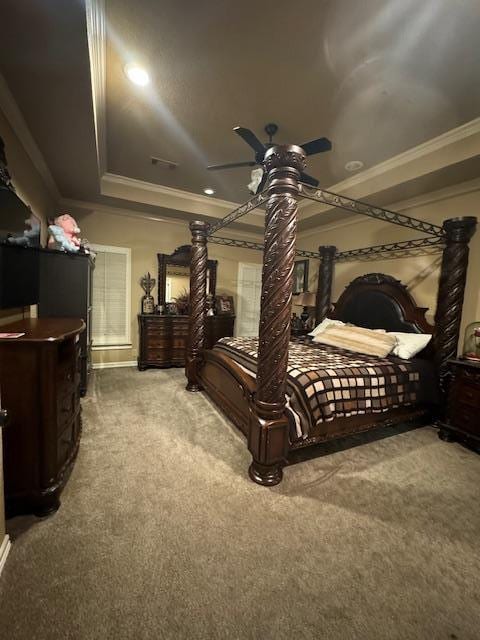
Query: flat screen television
[[19, 276], [19, 265]]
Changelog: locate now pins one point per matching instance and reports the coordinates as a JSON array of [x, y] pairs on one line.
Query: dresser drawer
[[65, 444], [157, 330], [467, 393], [179, 342], [158, 356], [157, 342], [466, 418]]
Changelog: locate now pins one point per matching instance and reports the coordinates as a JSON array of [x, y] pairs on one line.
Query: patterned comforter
[[325, 382]]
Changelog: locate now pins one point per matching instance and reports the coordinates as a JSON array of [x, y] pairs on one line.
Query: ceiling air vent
[[167, 164]]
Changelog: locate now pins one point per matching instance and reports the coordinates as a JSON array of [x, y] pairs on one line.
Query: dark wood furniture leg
[[268, 433], [451, 289], [198, 298], [325, 278]]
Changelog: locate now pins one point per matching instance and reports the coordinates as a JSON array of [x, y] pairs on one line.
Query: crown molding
[[96, 35], [134, 190], [434, 145], [16, 120], [95, 207], [454, 191]]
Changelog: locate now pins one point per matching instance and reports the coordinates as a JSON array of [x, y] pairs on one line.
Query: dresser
[[65, 291], [463, 406], [40, 390], [163, 339]]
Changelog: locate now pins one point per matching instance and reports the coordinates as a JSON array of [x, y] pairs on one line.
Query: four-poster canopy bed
[[249, 383]]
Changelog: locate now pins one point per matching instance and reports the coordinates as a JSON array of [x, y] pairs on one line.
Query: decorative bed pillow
[[409, 344], [358, 339], [324, 324]]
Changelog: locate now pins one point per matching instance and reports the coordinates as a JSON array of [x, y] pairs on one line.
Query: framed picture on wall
[[224, 305], [300, 277]]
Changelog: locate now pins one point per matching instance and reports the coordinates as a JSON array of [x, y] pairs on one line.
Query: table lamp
[[305, 300]]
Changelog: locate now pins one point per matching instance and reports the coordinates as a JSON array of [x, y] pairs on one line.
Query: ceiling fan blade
[[232, 165], [316, 146], [250, 138], [304, 177]]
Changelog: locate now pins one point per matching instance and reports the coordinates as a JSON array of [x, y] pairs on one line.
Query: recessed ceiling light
[[137, 74], [209, 191], [354, 165]]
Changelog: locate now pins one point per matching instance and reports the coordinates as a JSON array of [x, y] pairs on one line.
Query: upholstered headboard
[[378, 301]]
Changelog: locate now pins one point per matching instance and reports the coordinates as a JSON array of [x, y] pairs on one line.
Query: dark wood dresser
[[40, 390], [65, 291], [163, 339], [463, 407]]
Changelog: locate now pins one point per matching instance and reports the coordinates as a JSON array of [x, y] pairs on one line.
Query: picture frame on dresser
[[224, 305]]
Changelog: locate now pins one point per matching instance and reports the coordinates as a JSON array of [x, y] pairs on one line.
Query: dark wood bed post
[[198, 303], [325, 279], [451, 289], [268, 433]]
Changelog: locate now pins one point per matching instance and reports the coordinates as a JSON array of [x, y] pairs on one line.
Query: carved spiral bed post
[[268, 437], [325, 279], [198, 301], [453, 275]]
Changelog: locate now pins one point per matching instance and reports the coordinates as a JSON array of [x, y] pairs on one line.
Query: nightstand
[[463, 405]]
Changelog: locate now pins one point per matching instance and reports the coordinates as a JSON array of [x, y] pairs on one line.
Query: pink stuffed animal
[[70, 236]]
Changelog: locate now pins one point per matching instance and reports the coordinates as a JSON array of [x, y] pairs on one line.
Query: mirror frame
[[181, 258]]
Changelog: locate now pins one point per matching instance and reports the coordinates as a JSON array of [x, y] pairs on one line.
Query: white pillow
[[324, 324], [409, 344], [358, 339]]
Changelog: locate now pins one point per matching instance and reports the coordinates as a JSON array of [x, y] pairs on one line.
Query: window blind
[[111, 296]]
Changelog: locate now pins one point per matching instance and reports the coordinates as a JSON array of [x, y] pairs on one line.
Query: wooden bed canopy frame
[[258, 407]]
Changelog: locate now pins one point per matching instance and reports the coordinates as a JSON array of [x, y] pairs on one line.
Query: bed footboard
[[230, 388]]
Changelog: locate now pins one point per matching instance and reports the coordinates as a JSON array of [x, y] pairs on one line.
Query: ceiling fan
[[314, 146]]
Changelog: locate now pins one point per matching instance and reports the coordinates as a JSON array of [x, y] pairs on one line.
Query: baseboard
[[114, 365], [4, 550]]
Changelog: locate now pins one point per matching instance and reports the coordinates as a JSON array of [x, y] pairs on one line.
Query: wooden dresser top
[[42, 329]]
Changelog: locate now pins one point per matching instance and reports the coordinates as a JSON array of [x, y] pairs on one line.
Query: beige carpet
[[162, 535]]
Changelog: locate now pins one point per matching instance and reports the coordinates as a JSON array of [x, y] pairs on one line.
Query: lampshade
[[305, 299]]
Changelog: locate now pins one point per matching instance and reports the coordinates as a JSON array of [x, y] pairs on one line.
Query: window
[[111, 296]]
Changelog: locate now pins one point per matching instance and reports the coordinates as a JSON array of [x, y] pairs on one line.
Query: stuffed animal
[[64, 234]]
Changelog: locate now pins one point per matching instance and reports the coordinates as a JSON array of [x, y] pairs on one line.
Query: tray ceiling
[[377, 77]]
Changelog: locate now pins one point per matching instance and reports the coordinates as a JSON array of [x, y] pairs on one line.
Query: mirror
[[174, 276], [177, 282]]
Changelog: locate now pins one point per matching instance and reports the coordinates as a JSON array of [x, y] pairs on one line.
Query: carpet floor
[[161, 534]]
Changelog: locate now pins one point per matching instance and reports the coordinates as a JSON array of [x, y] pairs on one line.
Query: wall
[[420, 274], [146, 238]]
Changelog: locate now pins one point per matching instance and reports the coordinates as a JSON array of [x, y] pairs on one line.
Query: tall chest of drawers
[[65, 291], [40, 390], [463, 406], [163, 339]]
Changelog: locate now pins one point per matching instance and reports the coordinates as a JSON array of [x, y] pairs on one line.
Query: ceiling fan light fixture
[[209, 191], [136, 74], [354, 165]]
